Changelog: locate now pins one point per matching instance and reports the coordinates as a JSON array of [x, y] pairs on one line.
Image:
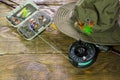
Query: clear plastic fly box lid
[[35, 25], [21, 13]]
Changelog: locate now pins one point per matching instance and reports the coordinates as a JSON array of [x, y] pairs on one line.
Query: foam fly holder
[[29, 19]]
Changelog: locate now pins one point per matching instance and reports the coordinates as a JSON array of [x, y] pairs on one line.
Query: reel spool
[[81, 54]]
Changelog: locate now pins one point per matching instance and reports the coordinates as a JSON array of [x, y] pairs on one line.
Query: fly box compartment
[[35, 25], [21, 13]]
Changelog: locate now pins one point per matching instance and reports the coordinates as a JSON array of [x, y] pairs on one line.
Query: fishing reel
[[82, 54]]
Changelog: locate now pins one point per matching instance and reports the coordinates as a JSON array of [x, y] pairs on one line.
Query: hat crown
[[95, 15]]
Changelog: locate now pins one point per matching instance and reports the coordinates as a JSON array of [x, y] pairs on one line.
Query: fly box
[[29, 19]]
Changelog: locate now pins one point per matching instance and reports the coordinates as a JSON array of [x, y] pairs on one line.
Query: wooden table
[[35, 60]]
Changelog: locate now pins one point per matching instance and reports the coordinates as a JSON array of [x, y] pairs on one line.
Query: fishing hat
[[92, 21]]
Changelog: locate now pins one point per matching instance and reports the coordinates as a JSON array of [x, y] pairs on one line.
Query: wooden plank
[[56, 67]]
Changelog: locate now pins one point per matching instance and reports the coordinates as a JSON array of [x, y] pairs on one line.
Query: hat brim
[[62, 20]]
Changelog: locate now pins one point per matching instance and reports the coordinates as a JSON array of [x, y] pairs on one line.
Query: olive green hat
[[93, 21]]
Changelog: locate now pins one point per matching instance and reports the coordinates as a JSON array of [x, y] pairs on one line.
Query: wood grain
[[35, 60]]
